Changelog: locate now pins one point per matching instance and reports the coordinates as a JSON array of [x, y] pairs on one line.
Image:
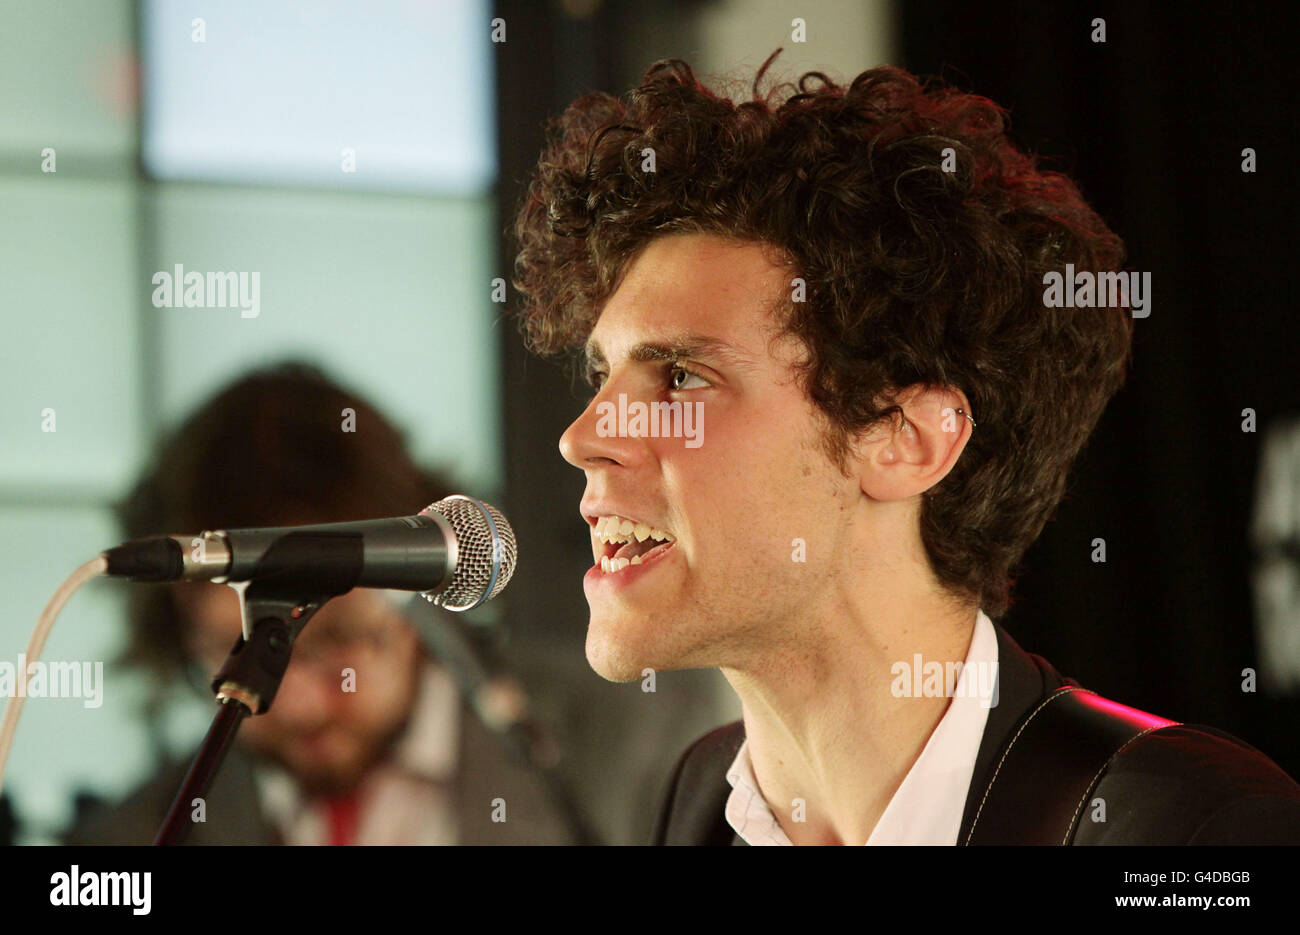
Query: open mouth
[[628, 542]]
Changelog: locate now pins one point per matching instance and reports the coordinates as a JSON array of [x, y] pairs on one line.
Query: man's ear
[[917, 446]]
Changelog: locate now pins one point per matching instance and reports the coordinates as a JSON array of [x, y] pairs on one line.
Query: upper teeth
[[618, 529]]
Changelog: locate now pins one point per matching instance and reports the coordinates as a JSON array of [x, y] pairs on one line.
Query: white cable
[[96, 566]]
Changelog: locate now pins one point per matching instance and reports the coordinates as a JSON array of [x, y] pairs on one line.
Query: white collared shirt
[[927, 807]]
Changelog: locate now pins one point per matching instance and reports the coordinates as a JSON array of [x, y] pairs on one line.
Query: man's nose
[[306, 696], [593, 438]]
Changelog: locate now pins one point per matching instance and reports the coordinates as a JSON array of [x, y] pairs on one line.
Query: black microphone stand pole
[[275, 607]]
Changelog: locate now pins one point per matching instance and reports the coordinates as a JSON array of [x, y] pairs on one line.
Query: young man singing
[[845, 286]]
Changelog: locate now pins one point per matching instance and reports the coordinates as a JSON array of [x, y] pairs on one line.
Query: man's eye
[[679, 378], [595, 378]]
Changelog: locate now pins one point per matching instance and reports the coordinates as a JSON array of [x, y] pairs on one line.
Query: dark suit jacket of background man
[[484, 771], [1181, 785]]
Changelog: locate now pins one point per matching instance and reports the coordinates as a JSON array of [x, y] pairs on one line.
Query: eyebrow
[[684, 346]]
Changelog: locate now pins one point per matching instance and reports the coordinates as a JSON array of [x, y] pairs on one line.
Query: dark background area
[[1151, 124]]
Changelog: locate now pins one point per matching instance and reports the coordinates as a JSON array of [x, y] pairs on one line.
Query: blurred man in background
[[388, 754]]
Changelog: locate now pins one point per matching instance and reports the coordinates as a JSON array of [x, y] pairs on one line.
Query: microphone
[[459, 552]]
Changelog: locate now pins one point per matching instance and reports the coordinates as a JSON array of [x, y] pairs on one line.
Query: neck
[[823, 726]]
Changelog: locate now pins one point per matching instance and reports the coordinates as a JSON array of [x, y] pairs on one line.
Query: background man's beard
[[327, 781]]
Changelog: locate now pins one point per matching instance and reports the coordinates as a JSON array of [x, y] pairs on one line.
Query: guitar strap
[[1040, 790]]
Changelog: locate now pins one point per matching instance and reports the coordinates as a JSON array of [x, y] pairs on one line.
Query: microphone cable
[[93, 568]]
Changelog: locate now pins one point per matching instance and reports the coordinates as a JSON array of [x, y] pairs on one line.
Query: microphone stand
[[275, 606]]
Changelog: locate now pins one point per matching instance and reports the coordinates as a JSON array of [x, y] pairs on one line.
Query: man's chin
[[618, 652], [318, 777], [326, 780], [612, 669]]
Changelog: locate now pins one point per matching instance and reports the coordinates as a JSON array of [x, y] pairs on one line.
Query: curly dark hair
[[267, 450], [914, 274]]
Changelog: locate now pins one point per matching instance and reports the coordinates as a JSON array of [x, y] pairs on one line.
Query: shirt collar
[[927, 807]]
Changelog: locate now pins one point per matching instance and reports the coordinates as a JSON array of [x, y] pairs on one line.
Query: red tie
[[344, 813]]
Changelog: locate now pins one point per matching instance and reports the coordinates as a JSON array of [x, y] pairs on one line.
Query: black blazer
[[1181, 785]]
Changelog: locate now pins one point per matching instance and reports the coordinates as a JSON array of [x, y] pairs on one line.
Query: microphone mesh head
[[486, 552]]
